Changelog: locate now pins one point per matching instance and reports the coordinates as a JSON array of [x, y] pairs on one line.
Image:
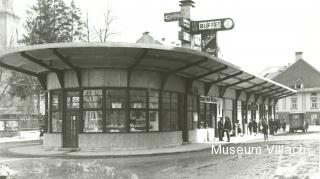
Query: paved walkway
[[38, 150]]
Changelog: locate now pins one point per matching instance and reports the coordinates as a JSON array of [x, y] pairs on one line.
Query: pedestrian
[[227, 128], [307, 125], [220, 129], [254, 127], [284, 125], [250, 127], [265, 130]]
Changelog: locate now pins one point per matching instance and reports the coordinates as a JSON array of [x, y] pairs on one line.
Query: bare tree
[[103, 33]]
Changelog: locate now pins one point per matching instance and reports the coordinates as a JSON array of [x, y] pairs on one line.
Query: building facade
[[306, 80], [120, 96]]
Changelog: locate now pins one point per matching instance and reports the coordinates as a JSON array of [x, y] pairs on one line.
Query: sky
[[266, 33]]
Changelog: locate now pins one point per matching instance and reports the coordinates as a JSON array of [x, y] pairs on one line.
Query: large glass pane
[[174, 120], [202, 115], [166, 101], [153, 99], [92, 98], [153, 120], [116, 99], [92, 121], [138, 99], [55, 102], [165, 121], [174, 101], [137, 121], [190, 120], [56, 121], [116, 121]]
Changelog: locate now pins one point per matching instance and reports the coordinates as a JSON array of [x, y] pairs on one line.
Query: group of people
[[265, 127]]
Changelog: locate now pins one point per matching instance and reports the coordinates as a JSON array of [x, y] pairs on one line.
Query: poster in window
[[116, 105]]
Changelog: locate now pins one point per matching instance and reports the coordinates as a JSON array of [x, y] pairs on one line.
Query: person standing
[[250, 127], [227, 128], [265, 130], [254, 127], [220, 130], [284, 124]]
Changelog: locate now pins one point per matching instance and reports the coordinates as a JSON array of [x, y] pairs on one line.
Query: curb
[[68, 154]]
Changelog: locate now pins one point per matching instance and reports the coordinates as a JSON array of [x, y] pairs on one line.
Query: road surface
[[291, 163]]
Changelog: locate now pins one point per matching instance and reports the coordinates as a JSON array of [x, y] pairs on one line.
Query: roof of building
[[299, 71], [148, 39], [272, 71], [184, 62]]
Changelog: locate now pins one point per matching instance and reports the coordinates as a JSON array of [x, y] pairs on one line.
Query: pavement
[[37, 150]]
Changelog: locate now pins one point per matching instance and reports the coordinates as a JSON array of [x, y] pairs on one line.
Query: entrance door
[[71, 119], [70, 137]]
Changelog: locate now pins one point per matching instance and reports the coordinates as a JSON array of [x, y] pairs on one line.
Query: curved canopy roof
[[191, 64]]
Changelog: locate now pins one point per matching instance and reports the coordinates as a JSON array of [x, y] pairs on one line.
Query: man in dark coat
[[250, 127], [220, 130], [254, 127], [227, 127]]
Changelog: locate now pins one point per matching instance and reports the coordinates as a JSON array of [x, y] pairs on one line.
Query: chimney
[[145, 33], [299, 55]]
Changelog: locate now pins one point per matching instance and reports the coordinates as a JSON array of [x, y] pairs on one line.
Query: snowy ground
[[202, 164]]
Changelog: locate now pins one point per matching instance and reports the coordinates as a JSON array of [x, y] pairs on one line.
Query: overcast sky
[[266, 33]]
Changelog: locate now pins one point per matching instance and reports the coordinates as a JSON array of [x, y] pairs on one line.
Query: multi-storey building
[[306, 80]]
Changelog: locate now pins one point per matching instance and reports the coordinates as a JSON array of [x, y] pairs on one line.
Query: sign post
[[208, 29]]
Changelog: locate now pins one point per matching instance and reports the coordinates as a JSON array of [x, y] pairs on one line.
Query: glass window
[[314, 104], [56, 115], [11, 125], [92, 121], [73, 100], [137, 99], [56, 121], [55, 102], [116, 121], [293, 103], [153, 120], [92, 98], [170, 118], [1, 125], [116, 99], [153, 99], [202, 115], [138, 121]]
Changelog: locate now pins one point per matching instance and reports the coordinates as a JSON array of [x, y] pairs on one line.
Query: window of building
[[92, 110], [153, 110], [73, 100], [192, 111], [55, 110], [116, 102], [314, 101], [169, 111], [92, 121], [293, 103], [138, 104]]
